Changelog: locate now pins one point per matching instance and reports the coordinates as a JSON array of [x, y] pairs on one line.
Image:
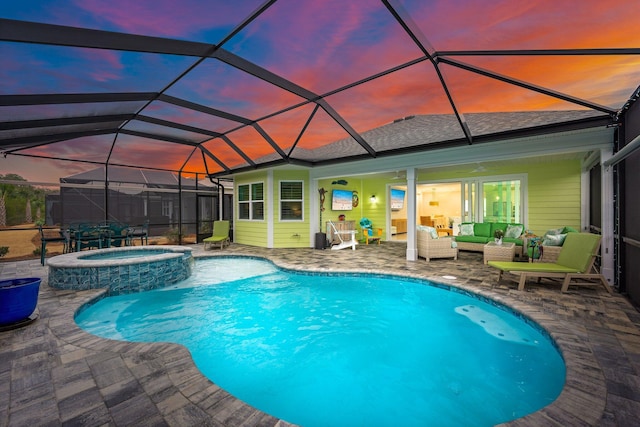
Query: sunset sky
[[320, 46]]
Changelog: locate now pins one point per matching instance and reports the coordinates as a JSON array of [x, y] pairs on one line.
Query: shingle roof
[[420, 131]]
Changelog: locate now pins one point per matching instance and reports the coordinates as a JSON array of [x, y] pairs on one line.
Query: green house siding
[[376, 211], [553, 191], [286, 234], [554, 196], [364, 189], [553, 188], [251, 232]]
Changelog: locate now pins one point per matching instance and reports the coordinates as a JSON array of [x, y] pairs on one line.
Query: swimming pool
[[315, 349]]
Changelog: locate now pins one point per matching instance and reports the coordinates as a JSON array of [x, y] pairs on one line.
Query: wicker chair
[[435, 248], [549, 253]]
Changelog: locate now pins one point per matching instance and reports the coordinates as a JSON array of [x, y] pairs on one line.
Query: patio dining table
[[103, 235]]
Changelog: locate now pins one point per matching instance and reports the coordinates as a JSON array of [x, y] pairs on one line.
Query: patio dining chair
[[46, 237], [117, 234], [141, 232], [87, 236]]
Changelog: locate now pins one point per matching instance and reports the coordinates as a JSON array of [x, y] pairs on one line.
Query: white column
[[606, 248], [412, 245], [269, 207]]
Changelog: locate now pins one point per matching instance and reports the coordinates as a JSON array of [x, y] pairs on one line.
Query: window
[[291, 201], [502, 201], [167, 208], [251, 201]]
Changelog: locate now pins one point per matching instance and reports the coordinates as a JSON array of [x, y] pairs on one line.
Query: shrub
[[173, 235], [37, 251]]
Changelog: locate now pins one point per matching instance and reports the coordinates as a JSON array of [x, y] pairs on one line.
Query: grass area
[[22, 243]]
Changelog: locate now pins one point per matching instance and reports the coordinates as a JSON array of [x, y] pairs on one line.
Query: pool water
[[344, 350], [123, 254]]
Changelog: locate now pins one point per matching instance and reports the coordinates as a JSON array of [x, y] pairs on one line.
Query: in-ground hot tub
[[121, 270]]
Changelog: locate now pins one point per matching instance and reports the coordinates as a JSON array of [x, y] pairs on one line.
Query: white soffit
[[578, 141]]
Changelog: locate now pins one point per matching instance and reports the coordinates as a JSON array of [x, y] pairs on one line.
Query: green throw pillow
[[513, 231], [466, 229]]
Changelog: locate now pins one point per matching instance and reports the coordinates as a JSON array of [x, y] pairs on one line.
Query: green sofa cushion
[[518, 242], [483, 233], [497, 226], [472, 239], [482, 229]]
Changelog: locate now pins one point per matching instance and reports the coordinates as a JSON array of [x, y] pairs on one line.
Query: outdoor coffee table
[[495, 252]]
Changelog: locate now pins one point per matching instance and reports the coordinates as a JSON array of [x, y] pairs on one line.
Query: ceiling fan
[[397, 176], [479, 168]]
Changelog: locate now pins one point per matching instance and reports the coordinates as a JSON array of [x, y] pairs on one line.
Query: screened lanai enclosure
[[216, 87], [202, 90], [165, 201]]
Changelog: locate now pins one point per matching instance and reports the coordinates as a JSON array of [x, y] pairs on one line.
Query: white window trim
[[251, 201], [280, 200]]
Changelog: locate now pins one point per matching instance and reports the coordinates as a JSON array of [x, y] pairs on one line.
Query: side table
[[495, 252]]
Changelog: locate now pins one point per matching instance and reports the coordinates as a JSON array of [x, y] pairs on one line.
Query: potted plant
[[498, 235]]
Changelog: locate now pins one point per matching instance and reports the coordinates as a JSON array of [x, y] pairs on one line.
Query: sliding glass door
[[478, 199]]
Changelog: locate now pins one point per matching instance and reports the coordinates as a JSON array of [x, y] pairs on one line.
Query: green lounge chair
[[220, 235], [575, 261]]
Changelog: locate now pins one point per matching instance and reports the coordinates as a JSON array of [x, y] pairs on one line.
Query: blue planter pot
[[18, 299]]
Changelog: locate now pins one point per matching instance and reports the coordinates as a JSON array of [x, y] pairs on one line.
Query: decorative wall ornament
[[322, 192]]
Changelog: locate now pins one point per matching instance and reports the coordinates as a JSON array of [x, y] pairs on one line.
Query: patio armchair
[[575, 262], [372, 234], [430, 245]]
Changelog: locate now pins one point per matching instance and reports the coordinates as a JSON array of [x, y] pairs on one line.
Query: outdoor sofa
[[474, 235], [548, 247]]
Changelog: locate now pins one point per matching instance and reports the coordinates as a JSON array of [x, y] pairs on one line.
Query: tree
[[3, 209], [6, 190], [27, 213], [10, 191]]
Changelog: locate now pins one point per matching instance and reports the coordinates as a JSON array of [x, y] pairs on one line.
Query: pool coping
[[83, 258], [582, 400]]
